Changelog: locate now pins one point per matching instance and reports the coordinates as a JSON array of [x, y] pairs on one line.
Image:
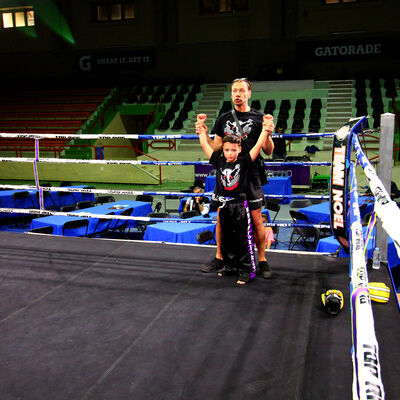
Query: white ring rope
[[137, 218], [367, 375], [142, 162], [365, 356], [141, 192], [139, 137], [38, 136]]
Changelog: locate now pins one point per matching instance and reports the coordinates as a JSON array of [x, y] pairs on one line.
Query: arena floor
[[95, 319]]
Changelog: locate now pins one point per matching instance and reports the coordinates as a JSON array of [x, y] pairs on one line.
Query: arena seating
[[286, 116], [256, 104], [373, 96], [178, 98], [294, 110], [270, 107], [59, 111]]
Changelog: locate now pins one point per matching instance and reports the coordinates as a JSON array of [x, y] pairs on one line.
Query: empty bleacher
[[56, 111], [372, 97], [179, 101], [294, 110]]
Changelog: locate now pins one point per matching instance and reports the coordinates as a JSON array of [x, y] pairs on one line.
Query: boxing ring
[[96, 319]]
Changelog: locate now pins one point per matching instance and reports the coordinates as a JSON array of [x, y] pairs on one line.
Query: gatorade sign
[[142, 59]]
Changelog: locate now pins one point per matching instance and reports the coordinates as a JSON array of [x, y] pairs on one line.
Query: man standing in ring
[[247, 124]]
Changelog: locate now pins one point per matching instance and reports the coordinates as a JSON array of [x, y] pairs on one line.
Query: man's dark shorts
[[255, 194]]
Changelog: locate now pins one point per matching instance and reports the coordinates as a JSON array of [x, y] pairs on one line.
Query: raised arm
[[265, 136], [268, 145], [217, 143], [201, 130]]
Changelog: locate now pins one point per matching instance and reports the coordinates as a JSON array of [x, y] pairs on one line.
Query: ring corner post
[[385, 173]]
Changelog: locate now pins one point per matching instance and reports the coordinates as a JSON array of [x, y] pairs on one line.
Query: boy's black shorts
[[255, 195]]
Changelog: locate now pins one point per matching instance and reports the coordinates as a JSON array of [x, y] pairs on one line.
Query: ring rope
[[358, 307], [154, 193], [38, 136], [367, 375], [385, 208], [369, 235], [138, 218], [27, 135], [144, 162]]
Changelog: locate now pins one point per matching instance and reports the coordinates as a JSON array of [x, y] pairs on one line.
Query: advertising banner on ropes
[[339, 185], [341, 151]]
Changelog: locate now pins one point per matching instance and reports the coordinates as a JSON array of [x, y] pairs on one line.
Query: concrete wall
[[257, 43], [194, 27], [136, 33], [363, 17]]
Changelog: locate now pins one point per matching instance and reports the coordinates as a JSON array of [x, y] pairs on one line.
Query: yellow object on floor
[[379, 292]]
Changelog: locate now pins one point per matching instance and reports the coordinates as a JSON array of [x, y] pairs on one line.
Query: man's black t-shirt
[[231, 177], [251, 122]]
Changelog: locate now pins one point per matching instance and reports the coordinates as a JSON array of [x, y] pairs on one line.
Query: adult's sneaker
[[265, 269], [214, 265]]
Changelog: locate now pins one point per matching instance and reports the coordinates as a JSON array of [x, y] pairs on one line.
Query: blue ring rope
[[266, 163]]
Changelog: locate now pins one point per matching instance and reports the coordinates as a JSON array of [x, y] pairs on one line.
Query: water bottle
[[376, 259]]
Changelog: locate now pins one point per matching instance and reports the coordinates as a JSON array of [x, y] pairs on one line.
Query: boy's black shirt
[[231, 177]]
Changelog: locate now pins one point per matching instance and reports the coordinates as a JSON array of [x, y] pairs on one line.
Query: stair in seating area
[[210, 104], [338, 107]]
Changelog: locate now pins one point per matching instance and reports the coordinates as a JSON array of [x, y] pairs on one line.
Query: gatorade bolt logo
[[85, 63]]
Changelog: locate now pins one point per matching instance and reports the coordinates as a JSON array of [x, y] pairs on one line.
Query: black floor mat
[[95, 319]]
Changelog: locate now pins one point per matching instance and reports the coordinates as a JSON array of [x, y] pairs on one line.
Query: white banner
[[367, 380]]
